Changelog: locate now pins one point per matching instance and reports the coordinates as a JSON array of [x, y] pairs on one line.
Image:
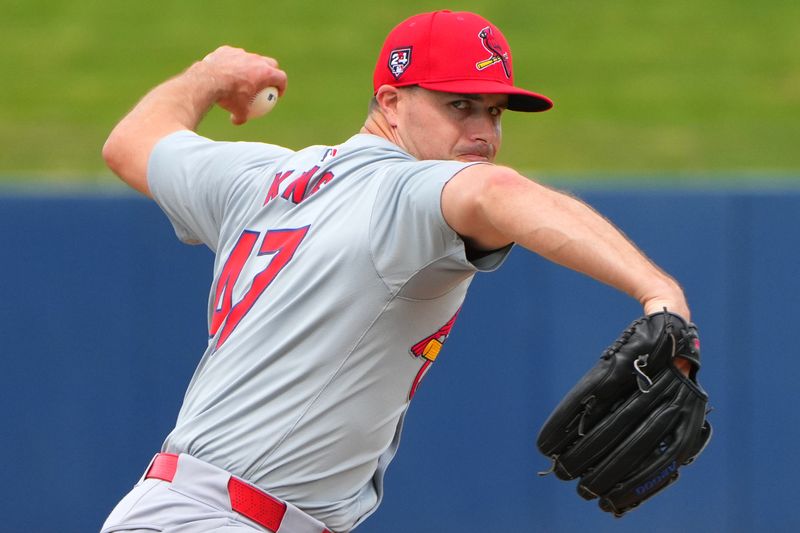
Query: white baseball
[[263, 102]]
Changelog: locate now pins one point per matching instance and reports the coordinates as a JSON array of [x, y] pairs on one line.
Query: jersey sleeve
[[197, 182], [408, 231]]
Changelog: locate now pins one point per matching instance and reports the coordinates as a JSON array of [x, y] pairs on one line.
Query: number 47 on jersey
[[282, 243]]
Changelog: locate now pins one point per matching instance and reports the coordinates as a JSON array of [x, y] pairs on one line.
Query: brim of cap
[[518, 99]]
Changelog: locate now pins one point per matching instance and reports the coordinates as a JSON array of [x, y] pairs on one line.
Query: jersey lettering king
[[399, 60], [428, 349], [498, 55]]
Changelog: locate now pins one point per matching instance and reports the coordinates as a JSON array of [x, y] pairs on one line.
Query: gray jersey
[[336, 281]]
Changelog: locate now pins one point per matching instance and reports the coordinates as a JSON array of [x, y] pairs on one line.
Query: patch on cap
[[493, 46], [399, 60]]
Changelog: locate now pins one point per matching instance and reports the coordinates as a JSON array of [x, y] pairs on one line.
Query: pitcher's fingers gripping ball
[[238, 74], [634, 419]]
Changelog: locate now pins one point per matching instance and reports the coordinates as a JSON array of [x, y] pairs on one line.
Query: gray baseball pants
[[197, 500]]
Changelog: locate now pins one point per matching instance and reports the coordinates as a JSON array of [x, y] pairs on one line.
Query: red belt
[[246, 500]]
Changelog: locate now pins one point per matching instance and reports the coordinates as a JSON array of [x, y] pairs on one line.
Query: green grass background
[[655, 88]]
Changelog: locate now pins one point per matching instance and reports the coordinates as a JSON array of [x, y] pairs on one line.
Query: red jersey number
[[282, 243]]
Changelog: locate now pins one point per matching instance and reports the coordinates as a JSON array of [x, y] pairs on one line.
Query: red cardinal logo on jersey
[[399, 60], [498, 55], [429, 348]]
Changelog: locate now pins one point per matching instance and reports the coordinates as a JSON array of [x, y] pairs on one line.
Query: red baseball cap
[[455, 52]]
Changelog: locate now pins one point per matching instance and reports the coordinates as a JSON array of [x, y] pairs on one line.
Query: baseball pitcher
[[340, 271]]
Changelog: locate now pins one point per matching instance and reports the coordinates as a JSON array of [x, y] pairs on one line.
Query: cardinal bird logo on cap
[[399, 60], [498, 55]]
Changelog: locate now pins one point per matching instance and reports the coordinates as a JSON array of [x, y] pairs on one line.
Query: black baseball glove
[[634, 419]]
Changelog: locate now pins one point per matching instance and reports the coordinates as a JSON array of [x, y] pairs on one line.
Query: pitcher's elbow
[[127, 162], [111, 153]]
